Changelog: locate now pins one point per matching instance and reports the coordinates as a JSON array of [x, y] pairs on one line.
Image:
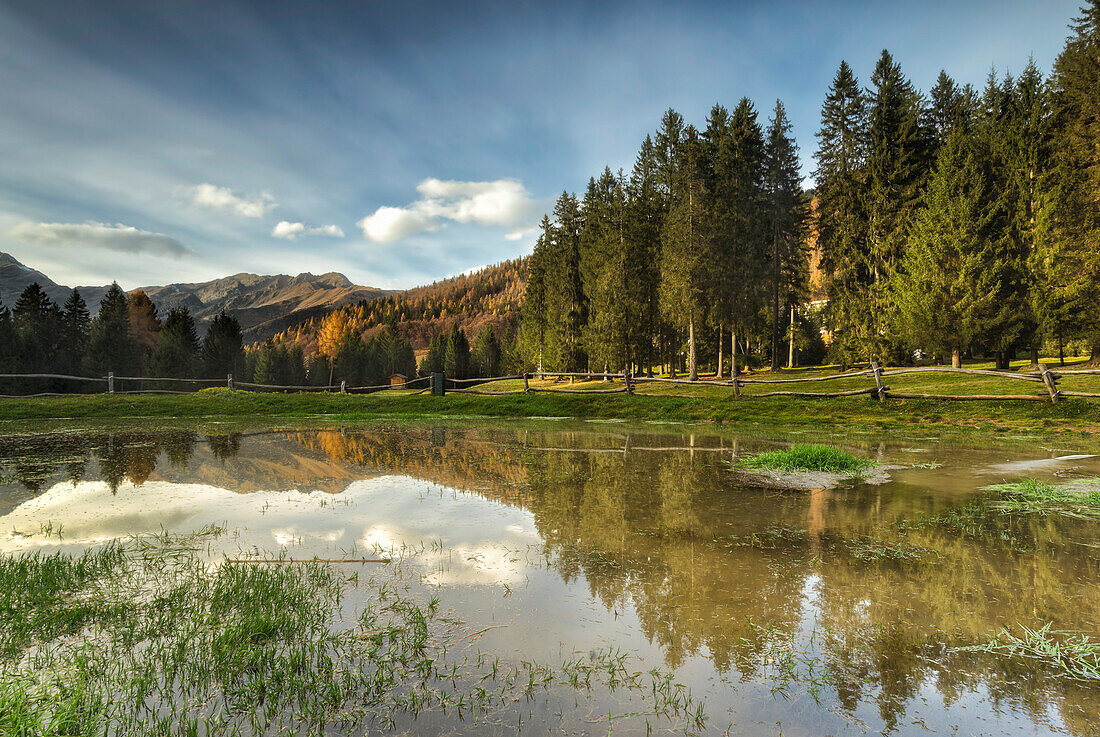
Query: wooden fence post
[[880, 390], [110, 382], [736, 387], [343, 386], [526, 384], [1051, 382], [229, 381], [626, 378]]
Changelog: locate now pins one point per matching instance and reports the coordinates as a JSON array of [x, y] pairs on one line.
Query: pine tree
[[949, 290], [685, 243], [351, 361], [740, 234], [8, 346], [177, 348], [76, 323], [841, 215], [569, 308], [1025, 163], [222, 347], [456, 363], [38, 329], [485, 354], [110, 347], [267, 369], [786, 217], [644, 219], [435, 360], [1075, 108], [535, 314], [898, 147], [605, 273]]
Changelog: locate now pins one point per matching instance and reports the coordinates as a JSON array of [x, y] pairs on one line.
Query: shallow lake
[[842, 608]]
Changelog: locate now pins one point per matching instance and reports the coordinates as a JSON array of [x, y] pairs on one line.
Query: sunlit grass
[[808, 457]]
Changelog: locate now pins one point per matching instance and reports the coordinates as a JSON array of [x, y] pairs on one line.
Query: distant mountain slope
[[488, 296], [15, 277], [263, 304]]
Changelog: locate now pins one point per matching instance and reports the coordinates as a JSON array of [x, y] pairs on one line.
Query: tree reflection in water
[[658, 524]]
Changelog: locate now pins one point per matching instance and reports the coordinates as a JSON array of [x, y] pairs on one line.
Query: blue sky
[[399, 142]]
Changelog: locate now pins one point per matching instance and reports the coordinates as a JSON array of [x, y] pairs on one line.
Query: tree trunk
[[718, 373], [956, 358], [733, 352], [790, 351], [693, 370], [775, 295]]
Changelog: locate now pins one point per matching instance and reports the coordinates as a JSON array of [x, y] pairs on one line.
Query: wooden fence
[[1045, 380]]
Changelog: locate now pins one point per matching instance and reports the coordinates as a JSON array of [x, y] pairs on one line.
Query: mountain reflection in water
[[650, 524]]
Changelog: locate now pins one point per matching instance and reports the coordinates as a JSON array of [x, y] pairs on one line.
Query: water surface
[[805, 612]]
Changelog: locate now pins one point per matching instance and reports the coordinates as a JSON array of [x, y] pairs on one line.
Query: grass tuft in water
[[1070, 654], [808, 457], [1032, 496]]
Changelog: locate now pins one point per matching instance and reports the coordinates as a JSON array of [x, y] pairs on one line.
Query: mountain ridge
[[264, 304]]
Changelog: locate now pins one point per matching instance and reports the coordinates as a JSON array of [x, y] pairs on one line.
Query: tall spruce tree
[[435, 360], [898, 145], [1075, 122], [110, 347], [607, 277], [38, 330], [949, 290], [535, 324], [841, 215], [456, 362], [486, 354], [685, 241], [786, 217], [1027, 162], [8, 346], [76, 322], [177, 349], [644, 220], [222, 347], [569, 308]]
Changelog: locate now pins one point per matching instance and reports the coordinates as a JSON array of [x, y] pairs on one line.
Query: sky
[[401, 142]]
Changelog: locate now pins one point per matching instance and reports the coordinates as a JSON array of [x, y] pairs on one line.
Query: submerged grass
[[1032, 496], [150, 637], [1071, 654], [808, 457]]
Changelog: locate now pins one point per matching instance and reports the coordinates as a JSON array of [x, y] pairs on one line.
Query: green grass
[[707, 405], [168, 641], [1033, 497], [808, 457], [1070, 654]]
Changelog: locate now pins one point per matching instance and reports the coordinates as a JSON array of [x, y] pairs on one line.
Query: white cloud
[[290, 231], [518, 235], [223, 198], [389, 224], [503, 202], [332, 231], [119, 237]]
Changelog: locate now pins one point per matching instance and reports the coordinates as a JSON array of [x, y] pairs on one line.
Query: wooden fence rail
[[1046, 378]]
